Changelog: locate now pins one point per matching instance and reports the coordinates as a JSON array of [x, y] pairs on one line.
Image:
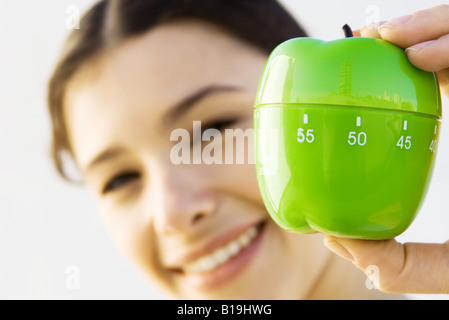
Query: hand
[[425, 37], [403, 268], [409, 267]]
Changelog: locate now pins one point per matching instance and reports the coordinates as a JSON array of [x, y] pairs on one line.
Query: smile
[[222, 254]]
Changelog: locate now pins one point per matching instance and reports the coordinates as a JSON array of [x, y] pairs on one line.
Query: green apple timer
[[346, 133]]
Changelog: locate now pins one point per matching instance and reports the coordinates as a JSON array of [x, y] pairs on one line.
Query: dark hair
[[262, 23]]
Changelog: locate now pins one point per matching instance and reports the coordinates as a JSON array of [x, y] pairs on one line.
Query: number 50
[[355, 138]]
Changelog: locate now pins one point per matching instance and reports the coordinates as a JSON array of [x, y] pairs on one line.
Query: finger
[[356, 33], [403, 268], [370, 31], [430, 55], [421, 26]]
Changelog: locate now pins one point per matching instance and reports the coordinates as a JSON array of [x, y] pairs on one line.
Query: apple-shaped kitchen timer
[[346, 133]]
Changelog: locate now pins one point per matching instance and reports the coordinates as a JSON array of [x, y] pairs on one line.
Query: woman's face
[[199, 230]]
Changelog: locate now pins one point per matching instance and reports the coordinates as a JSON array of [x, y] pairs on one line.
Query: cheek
[[236, 174], [131, 231], [238, 182], [122, 227], [240, 177]]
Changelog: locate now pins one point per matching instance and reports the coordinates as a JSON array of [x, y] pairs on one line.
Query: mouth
[[224, 262]]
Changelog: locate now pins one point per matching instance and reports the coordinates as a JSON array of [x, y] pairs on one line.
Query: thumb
[[402, 268]]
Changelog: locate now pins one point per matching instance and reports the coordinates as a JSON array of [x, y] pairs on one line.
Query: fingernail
[[370, 26], [370, 31], [339, 250], [395, 22], [419, 46]]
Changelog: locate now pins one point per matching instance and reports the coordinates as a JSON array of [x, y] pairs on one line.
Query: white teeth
[[233, 248], [246, 238], [222, 254]]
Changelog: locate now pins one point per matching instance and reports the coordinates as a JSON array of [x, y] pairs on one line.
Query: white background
[[47, 225]]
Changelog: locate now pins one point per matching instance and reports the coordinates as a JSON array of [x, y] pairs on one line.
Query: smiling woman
[[133, 73]]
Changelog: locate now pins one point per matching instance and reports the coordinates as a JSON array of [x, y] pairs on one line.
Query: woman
[[136, 72]]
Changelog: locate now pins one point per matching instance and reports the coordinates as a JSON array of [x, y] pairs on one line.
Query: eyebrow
[[107, 154], [181, 108]]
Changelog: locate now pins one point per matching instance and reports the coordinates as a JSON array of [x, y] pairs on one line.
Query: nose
[[182, 204]]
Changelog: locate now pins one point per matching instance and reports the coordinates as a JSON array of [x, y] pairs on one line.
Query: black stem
[[347, 31]]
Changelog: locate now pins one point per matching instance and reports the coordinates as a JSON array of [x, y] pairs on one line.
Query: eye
[[219, 124], [120, 180]]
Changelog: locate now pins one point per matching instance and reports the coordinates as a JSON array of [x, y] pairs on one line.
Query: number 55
[[309, 137]]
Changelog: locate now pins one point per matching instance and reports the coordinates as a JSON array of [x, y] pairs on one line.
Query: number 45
[[405, 143]]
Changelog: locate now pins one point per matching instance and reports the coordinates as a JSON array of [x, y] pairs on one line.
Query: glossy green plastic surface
[[346, 136], [361, 72]]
